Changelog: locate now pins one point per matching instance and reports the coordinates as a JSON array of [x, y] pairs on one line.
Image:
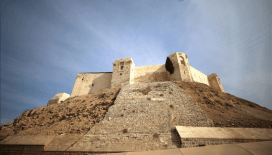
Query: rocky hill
[[78, 115]]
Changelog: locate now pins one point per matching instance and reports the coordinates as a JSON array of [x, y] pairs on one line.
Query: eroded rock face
[[58, 98]]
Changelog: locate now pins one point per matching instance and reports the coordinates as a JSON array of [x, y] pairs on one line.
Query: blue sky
[[46, 43]]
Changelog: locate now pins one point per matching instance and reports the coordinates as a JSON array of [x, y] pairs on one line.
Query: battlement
[[125, 72]]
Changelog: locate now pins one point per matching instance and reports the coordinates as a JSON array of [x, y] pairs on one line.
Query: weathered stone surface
[[149, 123], [58, 98]]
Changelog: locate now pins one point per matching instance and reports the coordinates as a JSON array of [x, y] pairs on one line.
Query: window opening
[[121, 65], [182, 60]]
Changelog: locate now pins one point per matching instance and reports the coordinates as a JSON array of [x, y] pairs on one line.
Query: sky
[[46, 43]]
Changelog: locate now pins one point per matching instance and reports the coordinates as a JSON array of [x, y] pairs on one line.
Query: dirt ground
[[77, 115]]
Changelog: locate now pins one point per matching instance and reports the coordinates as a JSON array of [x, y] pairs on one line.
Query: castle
[[125, 72]]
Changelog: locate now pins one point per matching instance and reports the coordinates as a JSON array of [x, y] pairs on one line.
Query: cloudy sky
[[46, 43]]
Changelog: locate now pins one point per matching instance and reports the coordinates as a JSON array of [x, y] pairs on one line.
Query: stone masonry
[[125, 72], [139, 122]]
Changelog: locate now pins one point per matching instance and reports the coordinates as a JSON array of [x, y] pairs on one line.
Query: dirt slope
[[78, 114], [227, 110], [74, 116]]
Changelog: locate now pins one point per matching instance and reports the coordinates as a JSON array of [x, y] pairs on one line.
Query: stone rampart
[[125, 72]]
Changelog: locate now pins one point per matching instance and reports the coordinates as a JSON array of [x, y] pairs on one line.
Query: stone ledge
[[224, 133]]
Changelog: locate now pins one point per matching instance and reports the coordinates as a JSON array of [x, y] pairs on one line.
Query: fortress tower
[[123, 72], [182, 71]]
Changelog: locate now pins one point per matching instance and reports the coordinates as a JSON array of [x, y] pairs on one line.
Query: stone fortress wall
[[125, 72], [153, 73], [199, 76], [88, 83]]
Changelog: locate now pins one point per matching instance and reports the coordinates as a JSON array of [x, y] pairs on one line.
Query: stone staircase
[[138, 122]]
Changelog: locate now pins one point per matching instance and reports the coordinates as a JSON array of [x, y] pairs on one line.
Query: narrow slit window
[[121, 65]]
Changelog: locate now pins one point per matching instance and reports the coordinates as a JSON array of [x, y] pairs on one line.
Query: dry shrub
[[157, 86], [133, 110], [149, 99], [122, 114], [146, 91], [125, 130], [171, 106], [142, 110], [170, 92], [156, 135]]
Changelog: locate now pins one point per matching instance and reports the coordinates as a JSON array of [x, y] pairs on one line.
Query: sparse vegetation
[[142, 110], [144, 91], [156, 135], [171, 106], [122, 115], [170, 92], [134, 110], [125, 130], [149, 98]]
